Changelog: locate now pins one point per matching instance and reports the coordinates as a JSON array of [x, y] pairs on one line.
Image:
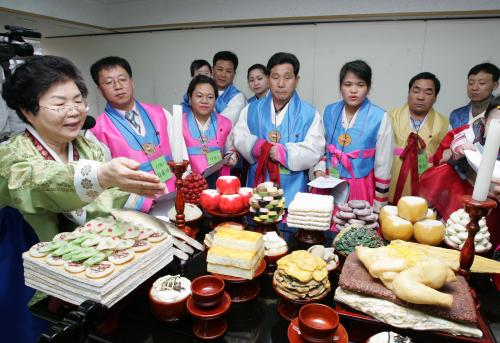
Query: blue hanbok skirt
[[17, 324]]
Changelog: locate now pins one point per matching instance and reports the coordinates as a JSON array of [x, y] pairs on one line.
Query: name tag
[[423, 163], [334, 172], [284, 170], [213, 157], [161, 168]]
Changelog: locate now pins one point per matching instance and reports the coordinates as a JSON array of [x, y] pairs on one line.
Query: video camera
[[14, 44]]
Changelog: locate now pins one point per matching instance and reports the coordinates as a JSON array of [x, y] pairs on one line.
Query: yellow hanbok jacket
[[432, 132]]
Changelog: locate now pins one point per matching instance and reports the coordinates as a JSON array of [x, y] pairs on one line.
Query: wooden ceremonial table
[[131, 320]]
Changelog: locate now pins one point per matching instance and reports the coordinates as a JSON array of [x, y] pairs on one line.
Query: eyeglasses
[[65, 109], [110, 82]]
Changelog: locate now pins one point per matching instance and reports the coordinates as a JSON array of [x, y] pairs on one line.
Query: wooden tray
[[361, 326]]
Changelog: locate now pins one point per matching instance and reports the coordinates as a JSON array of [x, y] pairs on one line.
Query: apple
[[246, 193], [231, 203], [209, 199], [228, 185]]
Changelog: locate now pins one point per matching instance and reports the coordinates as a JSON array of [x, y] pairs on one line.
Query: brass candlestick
[[476, 210], [178, 169]]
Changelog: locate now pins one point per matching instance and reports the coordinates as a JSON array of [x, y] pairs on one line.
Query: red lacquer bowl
[[318, 322], [207, 291]]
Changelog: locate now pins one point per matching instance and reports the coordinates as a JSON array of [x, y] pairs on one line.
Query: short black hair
[[226, 56], [260, 67], [486, 67], [426, 76], [107, 63], [282, 58], [200, 79], [197, 64], [494, 103], [29, 82], [359, 68]]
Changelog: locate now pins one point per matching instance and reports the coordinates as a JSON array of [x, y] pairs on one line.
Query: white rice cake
[[309, 226], [309, 219], [308, 202]]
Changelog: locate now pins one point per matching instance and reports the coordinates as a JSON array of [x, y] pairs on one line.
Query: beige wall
[[395, 50]]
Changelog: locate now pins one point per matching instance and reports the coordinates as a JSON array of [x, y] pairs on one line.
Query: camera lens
[[24, 50]]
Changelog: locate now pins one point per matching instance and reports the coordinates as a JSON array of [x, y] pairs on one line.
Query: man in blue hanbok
[[282, 119]]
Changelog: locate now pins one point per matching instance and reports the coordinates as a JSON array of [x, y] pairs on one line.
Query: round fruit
[[394, 227], [228, 185], [429, 231], [231, 203], [209, 199], [412, 208]]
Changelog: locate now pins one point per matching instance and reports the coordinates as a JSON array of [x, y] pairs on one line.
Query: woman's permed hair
[[29, 82]]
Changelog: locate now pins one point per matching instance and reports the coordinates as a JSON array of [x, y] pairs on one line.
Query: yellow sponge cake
[[235, 253], [238, 239], [234, 257]]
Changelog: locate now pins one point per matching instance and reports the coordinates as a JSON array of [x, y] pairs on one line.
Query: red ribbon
[[409, 156], [266, 166]]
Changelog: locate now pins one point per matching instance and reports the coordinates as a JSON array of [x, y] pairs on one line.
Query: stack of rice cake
[[236, 253], [267, 203], [302, 276], [108, 290], [310, 211], [356, 212]]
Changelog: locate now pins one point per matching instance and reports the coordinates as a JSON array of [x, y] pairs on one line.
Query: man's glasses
[[111, 82]]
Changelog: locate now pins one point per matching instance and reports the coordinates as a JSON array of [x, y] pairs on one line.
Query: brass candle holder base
[[178, 168], [476, 210]]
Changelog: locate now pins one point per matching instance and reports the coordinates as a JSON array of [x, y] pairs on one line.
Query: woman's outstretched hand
[[123, 173]]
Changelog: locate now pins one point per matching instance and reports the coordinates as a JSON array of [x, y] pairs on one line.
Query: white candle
[[488, 159], [177, 138]]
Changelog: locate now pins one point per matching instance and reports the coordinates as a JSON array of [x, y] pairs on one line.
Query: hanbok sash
[[409, 157], [356, 158]]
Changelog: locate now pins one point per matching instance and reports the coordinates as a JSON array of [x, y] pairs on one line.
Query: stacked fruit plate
[[228, 199]]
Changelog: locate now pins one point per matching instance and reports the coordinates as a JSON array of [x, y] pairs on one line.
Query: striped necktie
[[130, 116]]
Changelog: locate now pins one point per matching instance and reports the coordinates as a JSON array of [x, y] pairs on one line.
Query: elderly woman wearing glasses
[[50, 169]]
